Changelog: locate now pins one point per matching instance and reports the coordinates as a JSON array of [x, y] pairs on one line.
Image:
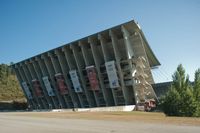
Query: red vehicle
[[150, 104]]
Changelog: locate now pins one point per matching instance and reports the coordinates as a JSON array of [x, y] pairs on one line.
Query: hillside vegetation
[[9, 87]]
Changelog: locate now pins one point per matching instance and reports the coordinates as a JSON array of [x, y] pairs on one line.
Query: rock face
[[109, 68]]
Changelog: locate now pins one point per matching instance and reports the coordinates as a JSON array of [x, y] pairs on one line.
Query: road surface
[[26, 124]]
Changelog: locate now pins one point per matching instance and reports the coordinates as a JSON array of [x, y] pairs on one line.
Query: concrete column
[[21, 73], [33, 76], [118, 57], [72, 65], [129, 49], [38, 75], [98, 60], [106, 58], [88, 62], [104, 49], [51, 74], [57, 69], [29, 81], [30, 104], [65, 70], [79, 64], [130, 55], [39, 65]]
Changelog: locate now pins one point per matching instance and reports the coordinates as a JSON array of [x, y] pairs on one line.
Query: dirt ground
[[147, 117]]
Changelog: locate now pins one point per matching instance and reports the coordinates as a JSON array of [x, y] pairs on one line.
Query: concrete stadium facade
[[108, 68]]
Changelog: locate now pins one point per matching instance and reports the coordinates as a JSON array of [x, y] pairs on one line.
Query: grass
[[134, 116]]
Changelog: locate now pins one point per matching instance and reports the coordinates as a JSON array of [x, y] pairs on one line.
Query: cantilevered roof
[[132, 26]]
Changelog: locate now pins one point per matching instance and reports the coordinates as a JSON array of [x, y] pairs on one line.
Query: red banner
[[92, 76], [61, 84], [37, 88]]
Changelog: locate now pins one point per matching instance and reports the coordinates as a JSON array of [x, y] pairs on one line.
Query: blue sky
[[172, 27]]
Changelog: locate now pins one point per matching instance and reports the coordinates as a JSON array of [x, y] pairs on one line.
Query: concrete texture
[[22, 124]]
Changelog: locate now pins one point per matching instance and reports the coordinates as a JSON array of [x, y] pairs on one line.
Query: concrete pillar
[[72, 66], [65, 71], [29, 101], [38, 75], [106, 58], [42, 71], [129, 49], [33, 76], [57, 70], [21, 72], [130, 55], [118, 58], [98, 59], [88, 62], [79, 65], [51, 73], [29, 81]]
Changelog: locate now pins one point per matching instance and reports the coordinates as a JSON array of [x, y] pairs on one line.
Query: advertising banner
[[37, 88], [48, 86], [75, 81], [112, 74], [27, 91], [92, 76], [61, 84]]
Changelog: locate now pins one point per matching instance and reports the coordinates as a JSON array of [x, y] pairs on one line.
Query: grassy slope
[[10, 89]]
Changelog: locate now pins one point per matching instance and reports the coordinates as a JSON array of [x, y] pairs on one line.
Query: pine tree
[[196, 91], [171, 103], [180, 81], [197, 85], [188, 105], [182, 99]]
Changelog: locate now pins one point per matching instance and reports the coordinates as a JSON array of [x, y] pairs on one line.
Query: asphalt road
[[24, 124]]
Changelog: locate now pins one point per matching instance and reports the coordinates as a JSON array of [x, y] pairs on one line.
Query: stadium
[[108, 68]]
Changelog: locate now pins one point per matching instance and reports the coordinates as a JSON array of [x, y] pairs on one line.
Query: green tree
[[180, 80], [182, 99], [188, 105], [196, 91], [197, 85], [171, 103]]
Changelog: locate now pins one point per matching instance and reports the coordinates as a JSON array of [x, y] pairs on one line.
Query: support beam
[[21, 72], [88, 62], [27, 75], [72, 66], [107, 96], [36, 69], [40, 66], [56, 69], [106, 59], [118, 58], [65, 70], [42, 100], [79, 65], [51, 74], [30, 103]]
